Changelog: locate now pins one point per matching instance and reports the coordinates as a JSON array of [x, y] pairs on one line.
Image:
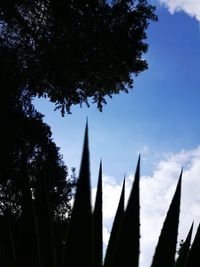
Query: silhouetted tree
[[44, 162], [73, 50], [35, 186], [69, 51]]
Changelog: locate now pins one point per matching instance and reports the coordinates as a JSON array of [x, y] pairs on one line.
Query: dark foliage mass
[[35, 186], [82, 238], [69, 51], [23, 131], [73, 50], [25, 137]]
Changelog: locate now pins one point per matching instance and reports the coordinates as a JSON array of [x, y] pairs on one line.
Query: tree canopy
[[25, 137], [73, 50], [70, 51]]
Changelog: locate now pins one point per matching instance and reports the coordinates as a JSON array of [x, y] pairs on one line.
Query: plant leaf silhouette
[[126, 252], [79, 243], [114, 235], [194, 257], [98, 222], [166, 248], [184, 250]]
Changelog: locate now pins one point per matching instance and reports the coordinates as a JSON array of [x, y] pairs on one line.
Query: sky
[[158, 119]]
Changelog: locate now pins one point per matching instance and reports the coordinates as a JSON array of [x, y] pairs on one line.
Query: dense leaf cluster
[[69, 51], [73, 50], [38, 241], [25, 137]]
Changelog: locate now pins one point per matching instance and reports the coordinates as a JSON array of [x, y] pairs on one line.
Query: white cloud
[[191, 7], [156, 192]]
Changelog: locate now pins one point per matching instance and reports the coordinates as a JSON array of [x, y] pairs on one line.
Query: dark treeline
[[32, 172], [69, 51]]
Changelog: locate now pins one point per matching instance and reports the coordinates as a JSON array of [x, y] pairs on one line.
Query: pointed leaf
[[79, 245], [184, 250], [127, 248], [166, 248], [98, 222], [194, 256], [115, 228]]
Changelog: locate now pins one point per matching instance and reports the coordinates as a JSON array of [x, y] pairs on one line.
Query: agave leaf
[[166, 248], [79, 243], [194, 256], [98, 222], [115, 229], [184, 250], [126, 252]]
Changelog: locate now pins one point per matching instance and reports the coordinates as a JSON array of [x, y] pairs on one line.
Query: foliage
[[73, 50], [82, 238], [24, 134], [184, 248]]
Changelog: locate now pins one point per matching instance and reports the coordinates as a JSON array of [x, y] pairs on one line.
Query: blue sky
[[159, 118], [161, 113]]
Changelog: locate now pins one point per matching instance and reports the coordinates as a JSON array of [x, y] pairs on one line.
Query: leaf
[[166, 248], [184, 250], [115, 228], [126, 252], [98, 222], [194, 256], [79, 243]]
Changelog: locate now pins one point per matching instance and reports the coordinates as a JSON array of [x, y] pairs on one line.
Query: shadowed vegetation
[[72, 50], [83, 235], [69, 51]]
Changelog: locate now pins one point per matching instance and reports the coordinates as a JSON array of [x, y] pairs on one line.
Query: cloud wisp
[[191, 7], [156, 192]]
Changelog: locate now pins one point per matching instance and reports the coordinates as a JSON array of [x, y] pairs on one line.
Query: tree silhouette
[[25, 132], [73, 50]]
